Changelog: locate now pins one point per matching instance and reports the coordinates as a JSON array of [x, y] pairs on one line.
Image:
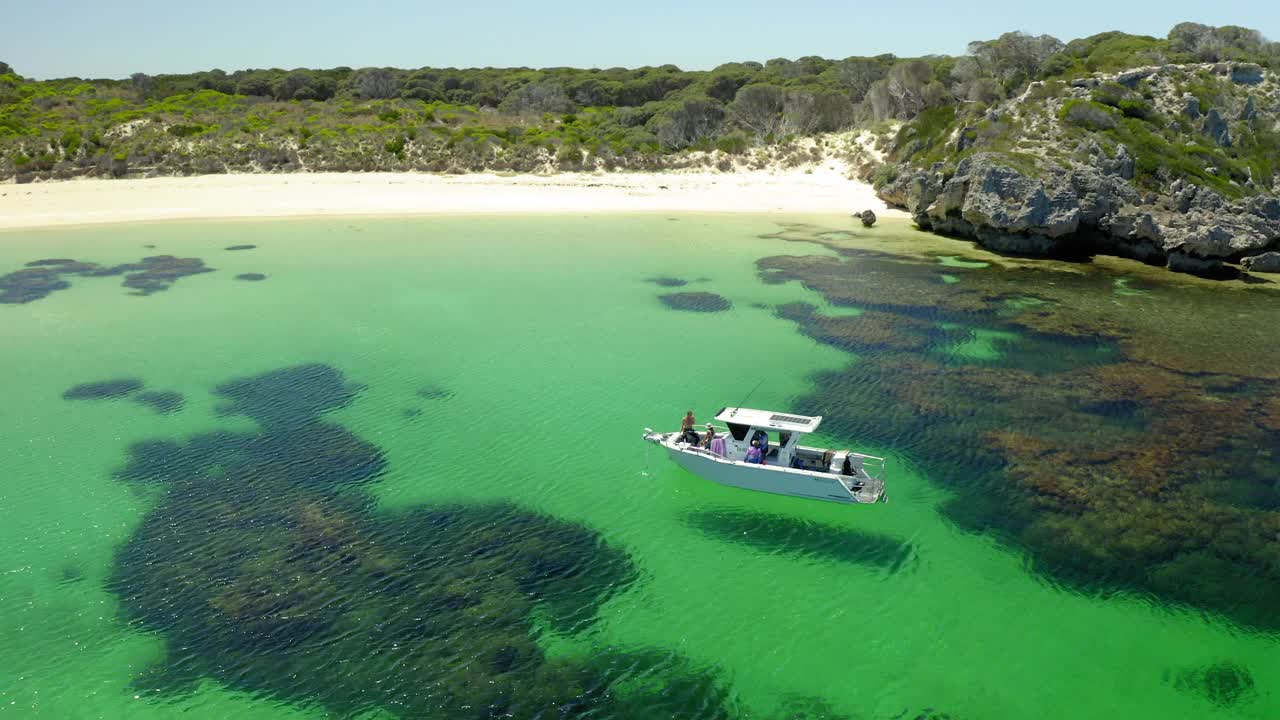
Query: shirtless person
[[686, 428]]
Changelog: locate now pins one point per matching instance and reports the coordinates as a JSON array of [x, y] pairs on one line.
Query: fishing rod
[[748, 397]]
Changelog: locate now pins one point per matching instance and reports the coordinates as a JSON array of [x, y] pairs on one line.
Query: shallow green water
[[550, 351]]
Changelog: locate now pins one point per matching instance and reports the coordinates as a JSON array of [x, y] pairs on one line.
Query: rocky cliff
[[1170, 164]]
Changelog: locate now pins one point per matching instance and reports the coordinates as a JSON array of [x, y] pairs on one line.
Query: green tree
[[759, 108], [259, 83], [375, 83], [538, 98], [814, 110], [1014, 58], [303, 85], [688, 123], [857, 74]]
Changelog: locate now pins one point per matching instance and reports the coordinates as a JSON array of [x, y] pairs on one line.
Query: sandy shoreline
[[820, 190]]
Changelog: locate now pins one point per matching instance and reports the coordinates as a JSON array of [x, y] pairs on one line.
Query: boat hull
[[762, 478]]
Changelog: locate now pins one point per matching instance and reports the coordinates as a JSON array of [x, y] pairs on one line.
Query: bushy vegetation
[[1061, 111], [426, 119], [448, 119]]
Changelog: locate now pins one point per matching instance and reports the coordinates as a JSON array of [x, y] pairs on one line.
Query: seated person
[[718, 446], [849, 466], [711, 435], [754, 455]]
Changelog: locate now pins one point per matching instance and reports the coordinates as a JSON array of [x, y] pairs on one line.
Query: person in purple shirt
[[754, 455]]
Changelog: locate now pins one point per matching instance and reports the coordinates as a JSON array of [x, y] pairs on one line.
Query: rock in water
[[867, 217], [1268, 262], [696, 302], [162, 401], [1056, 210], [1179, 261], [667, 281], [1223, 683], [103, 390]]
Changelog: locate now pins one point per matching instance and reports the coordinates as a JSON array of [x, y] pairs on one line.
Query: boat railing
[[779, 468], [873, 465], [702, 451]]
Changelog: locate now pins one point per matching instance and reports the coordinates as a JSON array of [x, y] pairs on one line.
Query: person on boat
[[687, 433], [754, 456], [717, 446], [711, 435], [762, 437]]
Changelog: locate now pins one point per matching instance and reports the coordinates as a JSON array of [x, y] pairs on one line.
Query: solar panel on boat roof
[[789, 419]]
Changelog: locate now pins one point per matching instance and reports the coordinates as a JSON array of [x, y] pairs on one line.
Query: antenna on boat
[[748, 397]]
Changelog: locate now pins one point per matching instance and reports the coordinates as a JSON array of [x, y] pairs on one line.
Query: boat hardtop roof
[[769, 420]]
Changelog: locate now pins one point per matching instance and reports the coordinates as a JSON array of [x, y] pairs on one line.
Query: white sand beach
[[818, 190]]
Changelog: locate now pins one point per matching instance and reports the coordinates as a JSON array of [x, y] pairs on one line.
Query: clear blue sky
[[94, 38]]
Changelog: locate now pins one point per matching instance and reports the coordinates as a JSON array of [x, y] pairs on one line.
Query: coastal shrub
[[569, 155], [1156, 157], [922, 139], [688, 123], [1135, 108], [70, 141], [184, 131], [1208, 90], [1128, 101], [1047, 89], [1193, 42], [1088, 115], [1111, 51], [1258, 149], [735, 143], [1057, 64], [395, 145], [883, 175], [645, 117]]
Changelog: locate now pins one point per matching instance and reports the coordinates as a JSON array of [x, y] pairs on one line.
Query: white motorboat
[[785, 466]]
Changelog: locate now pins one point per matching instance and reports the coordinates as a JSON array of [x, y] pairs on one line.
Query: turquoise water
[[517, 360]]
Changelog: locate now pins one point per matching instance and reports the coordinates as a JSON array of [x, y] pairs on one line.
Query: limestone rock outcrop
[[1132, 164], [1216, 128], [1053, 210]]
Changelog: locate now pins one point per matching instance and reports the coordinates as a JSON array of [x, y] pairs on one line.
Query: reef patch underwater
[[265, 567]]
